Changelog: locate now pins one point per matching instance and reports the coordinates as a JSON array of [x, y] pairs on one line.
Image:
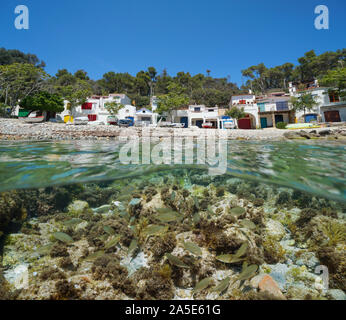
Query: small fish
[[112, 242], [61, 236], [203, 284], [196, 217], [72, 222], [164, 210], [193, 248], [133, 246], [241, 251], [248, 272], [248, 224], [195, 200], [103, 209], [176, 261], [94, 255], [109, 230], [124, 197], [210, 211], [228, 258], [169, 216], [222, 286], [173, 196], [45, 249], [237, 211], [154, 229]]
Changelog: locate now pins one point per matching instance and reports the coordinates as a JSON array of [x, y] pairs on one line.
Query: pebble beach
[[14, 129]]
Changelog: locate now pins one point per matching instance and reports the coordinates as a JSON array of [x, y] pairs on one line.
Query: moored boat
[[207, 125], [34, 119]]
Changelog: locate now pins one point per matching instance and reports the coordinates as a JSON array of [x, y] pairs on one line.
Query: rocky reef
[[182, 235]]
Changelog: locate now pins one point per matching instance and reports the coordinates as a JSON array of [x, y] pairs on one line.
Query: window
[[334, 97], [210, 110], [262, 107], [281, 105], [197, 109], [87, 106]]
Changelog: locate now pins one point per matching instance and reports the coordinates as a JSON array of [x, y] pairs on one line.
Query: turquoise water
[[314, 167], [76, 222]]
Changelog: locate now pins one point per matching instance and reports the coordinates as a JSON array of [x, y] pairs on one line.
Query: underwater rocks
[[77, 208], [266, 284], [164, 237], [274, 229], [11, 210]]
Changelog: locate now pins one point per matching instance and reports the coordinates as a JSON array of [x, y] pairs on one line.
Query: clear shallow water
[[141, 216], [315, 167]]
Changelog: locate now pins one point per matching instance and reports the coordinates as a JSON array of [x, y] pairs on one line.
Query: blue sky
[[224, 36]]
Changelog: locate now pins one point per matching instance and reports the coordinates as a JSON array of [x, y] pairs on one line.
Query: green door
[[263, 123]]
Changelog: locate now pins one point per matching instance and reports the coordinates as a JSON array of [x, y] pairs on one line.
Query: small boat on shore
[[34, 119], [81, 120], [112, 120], [207, 125]]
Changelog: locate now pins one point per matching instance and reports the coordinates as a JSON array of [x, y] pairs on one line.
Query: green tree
[[304, 102], [18, 80], [16, 56], [236, 113], [82, 75], [336, 80], [258, 76], [113, 107], [43, 101], [76, 93], [173, 100], [152, 75]]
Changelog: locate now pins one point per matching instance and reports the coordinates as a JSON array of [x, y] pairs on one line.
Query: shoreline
[[14, 129]]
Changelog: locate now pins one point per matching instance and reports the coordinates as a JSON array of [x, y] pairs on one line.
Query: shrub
[[281, 125], [4, 110]]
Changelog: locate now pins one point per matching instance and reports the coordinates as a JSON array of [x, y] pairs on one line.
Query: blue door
[[310, 117], [185, 121], [264, 123], [199, 123], [279, 118], [132, 120]]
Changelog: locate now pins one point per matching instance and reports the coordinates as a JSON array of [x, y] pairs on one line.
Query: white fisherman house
[[95, 109], [248, 102], [330, 107]]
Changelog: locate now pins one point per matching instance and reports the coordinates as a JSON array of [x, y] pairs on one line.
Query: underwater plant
[[336, 233]]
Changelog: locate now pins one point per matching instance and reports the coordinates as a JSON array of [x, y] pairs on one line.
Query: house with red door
[[248, 103], [95, 108]]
